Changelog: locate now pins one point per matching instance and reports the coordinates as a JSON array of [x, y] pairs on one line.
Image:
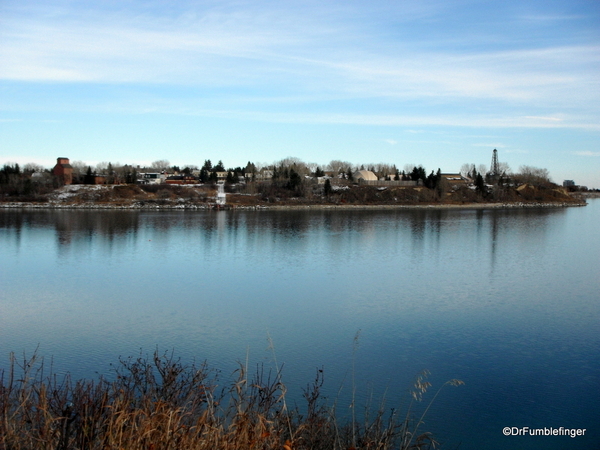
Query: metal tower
[[494, 169]]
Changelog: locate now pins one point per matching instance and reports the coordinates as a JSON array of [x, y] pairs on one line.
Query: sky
[[423, 82]]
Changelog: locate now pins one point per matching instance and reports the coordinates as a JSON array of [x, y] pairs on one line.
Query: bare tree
[[101, 167], [467, 169], [337, 166], [530, 174], [33, 167], [79, 167], [504, 168], [384, 170], [161, 164], [312, 166], [291, 162]]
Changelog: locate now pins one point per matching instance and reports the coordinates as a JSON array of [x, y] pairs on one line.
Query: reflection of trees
[[11, 224], [526, 226], [352, 231], [79, 227]]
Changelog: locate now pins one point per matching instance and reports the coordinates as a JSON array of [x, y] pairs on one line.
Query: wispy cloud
[[587, 153], [259, 47], [467, 121]]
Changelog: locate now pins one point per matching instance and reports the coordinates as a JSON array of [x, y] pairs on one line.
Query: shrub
[[158, 403]]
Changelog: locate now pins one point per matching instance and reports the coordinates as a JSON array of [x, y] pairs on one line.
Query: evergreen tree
[[110, 174], [480, 184], [327, 188], [89, 176], [294, 181], [250, 169], [219, 167], [418, 173], [204, 175], [431, 181]]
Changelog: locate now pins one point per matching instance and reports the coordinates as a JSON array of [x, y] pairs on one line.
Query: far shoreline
[[203, 198], [288, 207]]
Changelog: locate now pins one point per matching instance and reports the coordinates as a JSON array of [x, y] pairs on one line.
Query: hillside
[[268, 195]]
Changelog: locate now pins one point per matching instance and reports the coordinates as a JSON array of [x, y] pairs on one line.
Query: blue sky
[[436, 83]]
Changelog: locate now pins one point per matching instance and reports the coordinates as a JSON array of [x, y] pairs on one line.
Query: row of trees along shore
[[289, 177]]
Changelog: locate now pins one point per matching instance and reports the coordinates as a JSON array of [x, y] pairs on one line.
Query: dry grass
[[156, 403]]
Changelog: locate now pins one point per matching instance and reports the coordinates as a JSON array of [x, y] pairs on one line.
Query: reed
[[157, 403]]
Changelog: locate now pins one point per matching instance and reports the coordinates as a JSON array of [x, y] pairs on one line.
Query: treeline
[[17, 181], [289, 177]]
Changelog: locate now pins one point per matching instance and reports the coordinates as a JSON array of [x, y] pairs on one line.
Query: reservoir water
[[506, 300]]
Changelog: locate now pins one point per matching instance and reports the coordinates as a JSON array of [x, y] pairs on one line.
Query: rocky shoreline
[[147, 206]]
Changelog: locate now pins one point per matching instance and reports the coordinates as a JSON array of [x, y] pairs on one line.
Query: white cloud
[[292, 54], [469, 121], [587, 153], [265, 48]]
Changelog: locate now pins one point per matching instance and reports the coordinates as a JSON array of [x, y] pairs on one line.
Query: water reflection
[[472, 294], [426, 230]]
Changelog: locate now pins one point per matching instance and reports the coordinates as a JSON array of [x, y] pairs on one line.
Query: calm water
[[507, 301]]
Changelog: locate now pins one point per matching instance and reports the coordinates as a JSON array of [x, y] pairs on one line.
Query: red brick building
[[64, 170]]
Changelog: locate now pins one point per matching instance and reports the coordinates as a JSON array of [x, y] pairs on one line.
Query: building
[[152, 178], [181, 179], [456, 179], [368, 178], [63, 170], [364, 175]]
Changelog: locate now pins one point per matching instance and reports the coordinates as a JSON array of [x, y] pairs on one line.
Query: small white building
[[153, 178]]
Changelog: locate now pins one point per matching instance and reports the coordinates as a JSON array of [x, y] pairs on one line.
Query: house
[[455, 179], [181, 179], [63, 170], [221, 176], [366, 177], [264, 174], [152, 178], [96, 179]]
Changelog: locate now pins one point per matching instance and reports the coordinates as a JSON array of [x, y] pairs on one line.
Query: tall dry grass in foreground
[[156, 403]]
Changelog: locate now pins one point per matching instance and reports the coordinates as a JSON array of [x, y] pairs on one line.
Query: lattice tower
[[494, 170]]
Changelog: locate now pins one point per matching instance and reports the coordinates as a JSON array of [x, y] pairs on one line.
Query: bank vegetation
[[157, 403]]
